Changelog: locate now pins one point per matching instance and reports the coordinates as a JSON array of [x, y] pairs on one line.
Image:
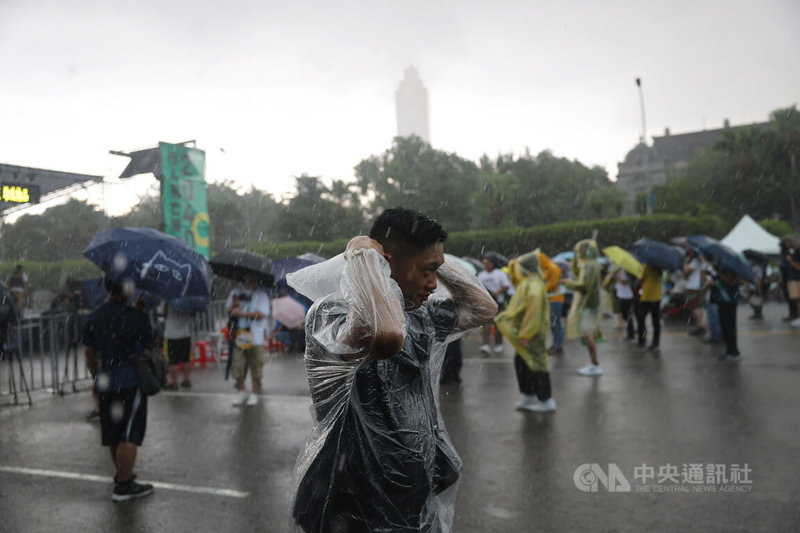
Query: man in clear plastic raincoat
[[379, 458], [525, 323], [583, 315]]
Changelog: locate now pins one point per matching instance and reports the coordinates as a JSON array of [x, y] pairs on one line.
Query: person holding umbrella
[[110, 330], [692, 269], [649, 303], [250, 306], [725, 293]]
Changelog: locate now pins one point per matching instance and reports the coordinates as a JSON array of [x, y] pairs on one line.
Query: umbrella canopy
[[564, 266], [463, 264], [792, 241], [95, 291], [497, 259], [723, 256], [564, 256], [477, 263], [155, 262], [281, 267], [289, 312], [191, 303], [657, 254], [620, 257], [235, 264], [680, 241], [755, 257], [698, 241]]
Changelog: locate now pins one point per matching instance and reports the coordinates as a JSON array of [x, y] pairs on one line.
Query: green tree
[[413, 174], [60, 232], [318, 212]]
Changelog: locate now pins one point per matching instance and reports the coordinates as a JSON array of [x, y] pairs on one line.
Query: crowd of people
[[384, 314]]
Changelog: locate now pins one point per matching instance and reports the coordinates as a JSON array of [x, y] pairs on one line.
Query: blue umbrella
[[657, 254], [155, 262], [191, 303], [723, 256], [95, 291], [698, 241], [564, 256], [281, 267]]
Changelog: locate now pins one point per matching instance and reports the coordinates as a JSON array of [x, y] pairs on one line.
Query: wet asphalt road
[[722, 437]]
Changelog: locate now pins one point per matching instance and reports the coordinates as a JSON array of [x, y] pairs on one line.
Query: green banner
[[183, 190]]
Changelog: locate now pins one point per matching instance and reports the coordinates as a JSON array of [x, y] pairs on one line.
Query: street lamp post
[[645, 154]]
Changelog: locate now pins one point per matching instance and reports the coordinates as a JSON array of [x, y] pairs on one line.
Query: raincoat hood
[[524, 266], [587, 247]]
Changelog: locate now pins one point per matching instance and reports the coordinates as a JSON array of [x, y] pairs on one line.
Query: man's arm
[[475, 305], [376, 324]]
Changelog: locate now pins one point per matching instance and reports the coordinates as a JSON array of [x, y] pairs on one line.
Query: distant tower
[[411, 100]]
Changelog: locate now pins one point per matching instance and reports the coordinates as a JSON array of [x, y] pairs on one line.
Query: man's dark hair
[[406, 231]]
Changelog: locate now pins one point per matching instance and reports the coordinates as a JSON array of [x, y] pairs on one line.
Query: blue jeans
[[714, 327], [556, 327]]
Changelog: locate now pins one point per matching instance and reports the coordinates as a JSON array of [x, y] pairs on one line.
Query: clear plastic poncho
[[378, 458]]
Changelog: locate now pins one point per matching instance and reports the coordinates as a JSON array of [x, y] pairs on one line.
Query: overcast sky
[[291, 87]]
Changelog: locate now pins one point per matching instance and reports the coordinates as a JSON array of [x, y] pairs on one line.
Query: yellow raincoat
[[587, 289], [528, 313]]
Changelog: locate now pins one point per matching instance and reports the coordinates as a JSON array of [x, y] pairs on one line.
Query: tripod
[[11, 354]]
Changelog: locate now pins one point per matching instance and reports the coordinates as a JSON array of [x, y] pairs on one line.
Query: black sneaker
[[129, 490]]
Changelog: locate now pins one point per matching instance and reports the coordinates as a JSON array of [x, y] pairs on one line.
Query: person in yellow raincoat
[[552, 276], [583, 315], [525, 323]]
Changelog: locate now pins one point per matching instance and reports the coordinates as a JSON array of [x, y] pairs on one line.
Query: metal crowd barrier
[[45, 352]]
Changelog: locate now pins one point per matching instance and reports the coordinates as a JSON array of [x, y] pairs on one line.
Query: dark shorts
[[179, 350], [123, 416]]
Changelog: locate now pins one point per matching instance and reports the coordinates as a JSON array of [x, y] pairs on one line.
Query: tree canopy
[[751, 170]]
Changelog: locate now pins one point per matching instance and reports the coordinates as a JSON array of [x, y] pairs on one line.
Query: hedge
[[551, 239]]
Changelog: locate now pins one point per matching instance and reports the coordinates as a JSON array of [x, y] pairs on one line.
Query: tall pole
[[646, 159], [643, 138]]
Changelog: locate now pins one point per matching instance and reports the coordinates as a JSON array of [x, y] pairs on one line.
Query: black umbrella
[[723, 256], [657, 254], [791, 241], [755, 257], [235, 264]]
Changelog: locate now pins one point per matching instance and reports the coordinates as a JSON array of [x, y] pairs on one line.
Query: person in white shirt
[[692, 269], [177, 332], [624, 293], [499, 285], [250, 305]]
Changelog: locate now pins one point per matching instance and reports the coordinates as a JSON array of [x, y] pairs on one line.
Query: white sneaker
[[526, 401], [591, 370], [795, 323], [498, 348], [241, 397], [543, 407], [252, 399], [485, 348]]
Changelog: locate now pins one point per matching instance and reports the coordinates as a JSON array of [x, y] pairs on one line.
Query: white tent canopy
[[749, 235]]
